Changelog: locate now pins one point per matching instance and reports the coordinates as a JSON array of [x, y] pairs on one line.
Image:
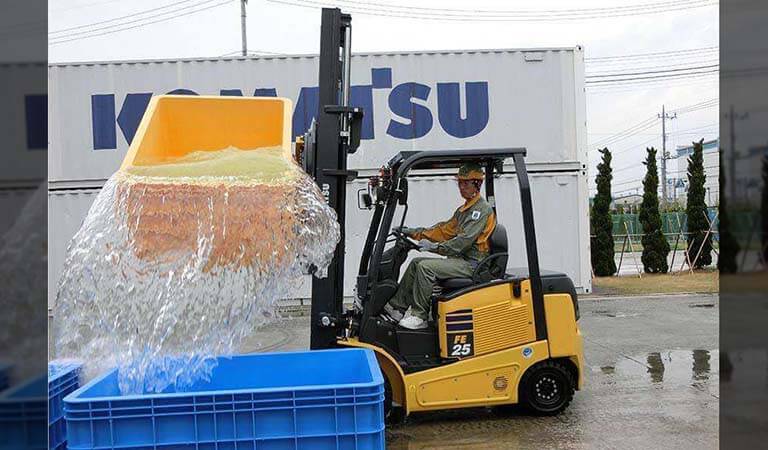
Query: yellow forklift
[[497, 338]]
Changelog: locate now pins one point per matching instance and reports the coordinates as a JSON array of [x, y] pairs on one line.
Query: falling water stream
[[177, 263]]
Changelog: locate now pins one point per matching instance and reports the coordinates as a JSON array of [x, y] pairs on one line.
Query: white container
[[560, 226], [531, 98], [470, 99]]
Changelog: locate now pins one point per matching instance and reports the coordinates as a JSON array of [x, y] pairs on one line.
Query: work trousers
[[415, 288]]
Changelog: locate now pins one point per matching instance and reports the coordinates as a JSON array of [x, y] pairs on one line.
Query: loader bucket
[[215, 174], [175, 125]]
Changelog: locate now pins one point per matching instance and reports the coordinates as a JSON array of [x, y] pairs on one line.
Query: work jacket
[[465, 235]]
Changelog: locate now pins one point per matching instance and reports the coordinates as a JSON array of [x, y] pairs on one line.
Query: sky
[[211, 28]]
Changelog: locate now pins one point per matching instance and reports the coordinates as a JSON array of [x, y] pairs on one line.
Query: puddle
[[670, 366], [747, 368]]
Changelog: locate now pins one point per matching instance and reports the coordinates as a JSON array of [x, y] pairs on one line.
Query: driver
[[463, 240]]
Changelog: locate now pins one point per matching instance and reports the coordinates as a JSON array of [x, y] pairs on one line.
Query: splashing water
[[177, 263]]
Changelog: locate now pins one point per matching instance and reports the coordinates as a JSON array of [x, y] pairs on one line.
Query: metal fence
[[671, 222]]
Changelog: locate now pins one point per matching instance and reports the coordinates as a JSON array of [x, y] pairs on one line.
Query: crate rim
[[377, 379], [65, 368], [5, 397]]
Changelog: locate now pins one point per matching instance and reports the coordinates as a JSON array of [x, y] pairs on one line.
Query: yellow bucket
[[175, 125], [171, 189]]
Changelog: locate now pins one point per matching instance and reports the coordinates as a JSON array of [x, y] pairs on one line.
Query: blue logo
[[527, 352], [406, 101]]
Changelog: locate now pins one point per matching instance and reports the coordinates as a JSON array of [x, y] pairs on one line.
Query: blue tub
[[25, 410], [5, 377], [63, 379], [331, 399]]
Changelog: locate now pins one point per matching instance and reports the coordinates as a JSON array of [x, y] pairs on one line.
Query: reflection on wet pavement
[[675, 365], [628, 401], [677, 387]]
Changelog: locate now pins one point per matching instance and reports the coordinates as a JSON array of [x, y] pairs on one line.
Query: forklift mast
[[331, 137]]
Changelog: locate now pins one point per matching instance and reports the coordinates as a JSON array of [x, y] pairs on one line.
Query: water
[[178, 263], [23, 262]]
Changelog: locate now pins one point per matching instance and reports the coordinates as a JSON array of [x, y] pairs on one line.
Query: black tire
[[393, 415], [547, 388]]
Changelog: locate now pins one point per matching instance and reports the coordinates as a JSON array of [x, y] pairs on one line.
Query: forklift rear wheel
[[547, 388]]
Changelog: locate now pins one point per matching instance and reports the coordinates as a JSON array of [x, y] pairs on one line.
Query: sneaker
[[413, 323], [393, 312]]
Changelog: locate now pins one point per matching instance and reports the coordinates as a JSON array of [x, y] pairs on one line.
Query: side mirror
[[403, 193], [364, 199], [355, 128]]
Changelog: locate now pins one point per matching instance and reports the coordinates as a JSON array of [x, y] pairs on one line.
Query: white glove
[[425, 245]]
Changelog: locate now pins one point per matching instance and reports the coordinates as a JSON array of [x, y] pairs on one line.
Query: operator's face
[[468, 189]]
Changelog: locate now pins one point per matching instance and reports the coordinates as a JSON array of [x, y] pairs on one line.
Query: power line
[[645, 82], [87, 5], [635, 66], [650, 122], [115, 19], [650, 72], [653, 77], [667, 54], [215, 5], [702, 105], [509, 11], [635, 146], [614, 89], [408, 12], [642, 126]]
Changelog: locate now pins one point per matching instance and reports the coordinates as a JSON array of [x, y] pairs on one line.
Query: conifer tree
[[655, 245], [601, 222], [696, 210], [729, 246], [764, 211]]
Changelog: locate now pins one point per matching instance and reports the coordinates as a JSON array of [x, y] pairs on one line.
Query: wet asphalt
[[651, 382]]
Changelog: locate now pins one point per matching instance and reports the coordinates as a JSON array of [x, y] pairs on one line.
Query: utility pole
[[732, 169], [664, 156], [242, 27]]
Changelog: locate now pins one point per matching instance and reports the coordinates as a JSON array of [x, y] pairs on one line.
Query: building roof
[[709, 146]]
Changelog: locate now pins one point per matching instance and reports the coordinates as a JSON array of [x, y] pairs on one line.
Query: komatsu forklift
[[499, 337]]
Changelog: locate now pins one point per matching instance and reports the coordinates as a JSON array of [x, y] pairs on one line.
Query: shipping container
[[440, 100]]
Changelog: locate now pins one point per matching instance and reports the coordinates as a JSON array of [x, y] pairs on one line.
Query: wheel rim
[[547, 390]]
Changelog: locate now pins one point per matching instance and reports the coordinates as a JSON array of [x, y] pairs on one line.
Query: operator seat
[[492, 267]]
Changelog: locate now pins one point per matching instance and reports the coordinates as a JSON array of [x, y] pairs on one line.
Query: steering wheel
[[403, 239]]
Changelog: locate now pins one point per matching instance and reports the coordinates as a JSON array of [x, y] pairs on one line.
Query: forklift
[[501, 337]]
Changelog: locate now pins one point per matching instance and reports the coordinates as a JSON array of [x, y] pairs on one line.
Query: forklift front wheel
[[547, 388], [393, 414]]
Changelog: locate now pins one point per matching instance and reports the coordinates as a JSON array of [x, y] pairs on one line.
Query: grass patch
[[745, 283], [699, 281]]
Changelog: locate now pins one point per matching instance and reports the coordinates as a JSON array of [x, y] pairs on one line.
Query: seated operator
[[463, 240]]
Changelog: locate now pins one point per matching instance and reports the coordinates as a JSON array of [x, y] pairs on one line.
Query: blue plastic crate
[[63, 379], [22, 416], [5, 376], [24, 409], [330, 399]]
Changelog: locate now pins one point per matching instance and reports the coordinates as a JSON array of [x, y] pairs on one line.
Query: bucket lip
[[376, 380], [227, 98]]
